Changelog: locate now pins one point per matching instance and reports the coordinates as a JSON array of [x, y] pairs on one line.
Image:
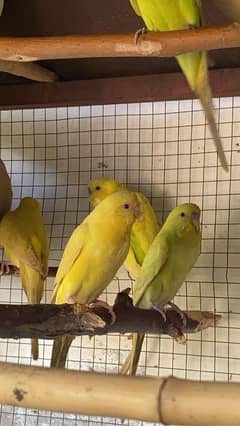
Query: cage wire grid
[[163, 149]]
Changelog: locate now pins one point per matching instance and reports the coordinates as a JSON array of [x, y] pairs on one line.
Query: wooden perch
[[163, 44], [30, 71], [48, 321], [167, 400]]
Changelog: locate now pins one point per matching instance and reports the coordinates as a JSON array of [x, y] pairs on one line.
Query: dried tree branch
[[29, 70], [48, 321], [170, 43]]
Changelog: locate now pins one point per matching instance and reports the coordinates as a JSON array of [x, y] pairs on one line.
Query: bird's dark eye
[[98, 188], [126, 206], [182, 214]]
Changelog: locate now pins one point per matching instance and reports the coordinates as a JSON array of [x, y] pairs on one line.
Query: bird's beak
[[196, 220], [137, 211]]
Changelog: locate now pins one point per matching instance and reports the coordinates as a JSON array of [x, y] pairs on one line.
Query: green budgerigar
[[144, 229], [168, 15], [166, 264]]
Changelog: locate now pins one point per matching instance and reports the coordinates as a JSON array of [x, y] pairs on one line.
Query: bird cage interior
[[83, 96], [164, 150]]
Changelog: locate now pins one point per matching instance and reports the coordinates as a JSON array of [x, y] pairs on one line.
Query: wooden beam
[[29, 70], [146, 88], [162, 44]]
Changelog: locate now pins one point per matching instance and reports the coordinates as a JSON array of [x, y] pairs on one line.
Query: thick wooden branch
[[30, 71], [48, 321], [163, 44]]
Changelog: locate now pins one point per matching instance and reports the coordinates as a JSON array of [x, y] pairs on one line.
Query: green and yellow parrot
[[24, 238], [168, 15], [92, 257], [166, 264], [144, 229]]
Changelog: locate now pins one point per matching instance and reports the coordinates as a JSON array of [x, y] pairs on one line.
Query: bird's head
[[121, 206], [29, 203], [185, 219], [100, 188]]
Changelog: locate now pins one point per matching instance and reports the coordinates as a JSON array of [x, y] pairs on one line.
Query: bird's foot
[[71, 300], [102, 304], [5, 267], [179, 312], [160, 309], [139, 33], [190, 27]]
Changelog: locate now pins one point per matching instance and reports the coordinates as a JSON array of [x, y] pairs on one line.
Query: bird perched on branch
[[168, 15], [169, 259], [144, 229], [24, 238], [92, 257]]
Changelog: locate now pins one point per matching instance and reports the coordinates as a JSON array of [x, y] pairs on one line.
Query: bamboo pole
[[163, 44], [167, 400], [30, 71]]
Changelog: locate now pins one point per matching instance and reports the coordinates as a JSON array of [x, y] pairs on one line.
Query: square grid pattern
[[163, 149]]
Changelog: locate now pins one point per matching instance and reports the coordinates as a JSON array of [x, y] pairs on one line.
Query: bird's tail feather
[[206, 103], [33, 284], [34, 348], [131, 363], [203, 91], [60, 350]]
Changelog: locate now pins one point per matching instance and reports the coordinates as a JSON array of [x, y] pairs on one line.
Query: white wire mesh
[[163, 149]]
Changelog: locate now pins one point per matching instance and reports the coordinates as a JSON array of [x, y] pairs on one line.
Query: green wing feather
[[135, 7], [155, 259]]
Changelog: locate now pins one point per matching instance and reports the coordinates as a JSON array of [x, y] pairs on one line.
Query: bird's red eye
[[126, 206]]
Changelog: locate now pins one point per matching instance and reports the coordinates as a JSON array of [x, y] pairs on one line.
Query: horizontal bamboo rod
[[167, 400], [164, 44]]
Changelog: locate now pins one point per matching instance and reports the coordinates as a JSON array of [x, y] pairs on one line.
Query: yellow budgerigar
[[168, 15], [144, 229], [24, 238], [92, 257], [166, 264]]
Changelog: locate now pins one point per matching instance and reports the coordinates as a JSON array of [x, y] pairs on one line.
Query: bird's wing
[[71, 253], [134, 4], [155, 259]]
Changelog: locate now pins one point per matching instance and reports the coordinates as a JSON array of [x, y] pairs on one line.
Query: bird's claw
[[179, 312], [139, 33], [102, 304], [161, 311]]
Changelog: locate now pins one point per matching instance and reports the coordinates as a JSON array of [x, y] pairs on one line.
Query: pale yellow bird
[[92, 257], [24, 238]]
